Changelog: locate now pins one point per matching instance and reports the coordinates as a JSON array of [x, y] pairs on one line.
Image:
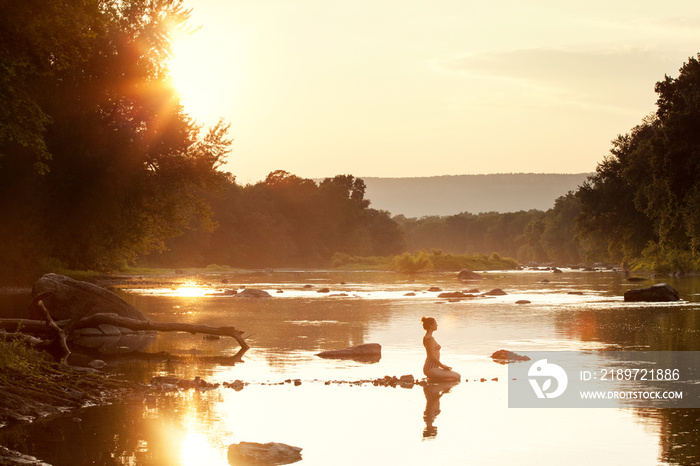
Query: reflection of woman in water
[[433, 368], [433, 392]]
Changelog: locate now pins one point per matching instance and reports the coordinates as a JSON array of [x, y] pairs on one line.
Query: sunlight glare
[[203, 72], [190, 290], [197, 450]]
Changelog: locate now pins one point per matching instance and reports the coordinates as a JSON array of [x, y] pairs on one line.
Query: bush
[[660, 260], [408, 263], [423, 261], [340, 260], [18, 356]]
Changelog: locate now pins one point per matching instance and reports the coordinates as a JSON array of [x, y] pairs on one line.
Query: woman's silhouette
[[433, 368]]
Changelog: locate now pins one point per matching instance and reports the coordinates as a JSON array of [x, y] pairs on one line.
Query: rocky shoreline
[[56, 391]]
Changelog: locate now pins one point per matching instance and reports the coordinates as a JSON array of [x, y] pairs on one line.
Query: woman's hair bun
[[422, 319]]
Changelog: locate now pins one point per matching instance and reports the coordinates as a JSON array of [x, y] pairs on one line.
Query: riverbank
[[34, 387]]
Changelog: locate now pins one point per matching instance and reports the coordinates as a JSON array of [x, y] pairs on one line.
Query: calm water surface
[[340, 423]]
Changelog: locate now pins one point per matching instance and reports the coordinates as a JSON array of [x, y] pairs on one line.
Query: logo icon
[[547, 371]]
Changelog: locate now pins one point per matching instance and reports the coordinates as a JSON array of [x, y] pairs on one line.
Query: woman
[[433, 368]]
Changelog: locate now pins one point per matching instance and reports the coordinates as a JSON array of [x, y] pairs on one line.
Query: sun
[[203, 76]]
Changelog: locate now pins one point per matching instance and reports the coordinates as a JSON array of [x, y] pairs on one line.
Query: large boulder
[[68, 297], [263, 453], [466, 274], [661, 292], [369, 352]]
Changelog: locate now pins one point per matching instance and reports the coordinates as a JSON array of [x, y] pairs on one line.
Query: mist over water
[[336, 422]]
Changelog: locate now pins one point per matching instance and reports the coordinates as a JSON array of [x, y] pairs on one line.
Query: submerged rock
[[10, 457], [495, 292], [407, 381], [369, 352], [453, 294], [263, 453], [237, 385], [661, 292], [505, 357]]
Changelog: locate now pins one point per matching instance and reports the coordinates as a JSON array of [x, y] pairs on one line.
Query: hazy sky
[[420, 88]]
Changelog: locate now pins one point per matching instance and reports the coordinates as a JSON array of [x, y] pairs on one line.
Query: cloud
[[621, 79]]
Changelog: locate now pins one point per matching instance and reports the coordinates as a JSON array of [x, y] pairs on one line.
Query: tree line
[[101, 167], [283, 221], [640, 209]]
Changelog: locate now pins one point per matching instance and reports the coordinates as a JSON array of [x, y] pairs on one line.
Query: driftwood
[[53, 336]]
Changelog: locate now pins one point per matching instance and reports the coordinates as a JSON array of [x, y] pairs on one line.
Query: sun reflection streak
[[196, 450], [189, 290]]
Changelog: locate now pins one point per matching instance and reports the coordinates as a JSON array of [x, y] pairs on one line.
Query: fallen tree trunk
[[133, 324], [50, 332], [82, 305]]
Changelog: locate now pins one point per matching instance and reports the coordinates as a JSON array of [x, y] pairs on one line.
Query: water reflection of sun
[[197, 450], [189, 290]]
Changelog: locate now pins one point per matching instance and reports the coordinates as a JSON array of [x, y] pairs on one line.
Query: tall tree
[[123, 166], [646, 193]]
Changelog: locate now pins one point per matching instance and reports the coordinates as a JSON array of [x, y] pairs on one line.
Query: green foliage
[[424, 261], [287, 220], [217, 268], [15, 355], [413, 263], [345, 261], [533, 236], [84, 93], [644, 199], [660, 260]]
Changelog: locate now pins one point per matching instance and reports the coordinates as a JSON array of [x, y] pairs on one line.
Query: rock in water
[[661, 292], [253, 293], [466, 274], [71, 297], [505, 357], [262, 453], [369, 352]]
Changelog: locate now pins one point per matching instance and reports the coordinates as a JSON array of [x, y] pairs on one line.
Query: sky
[[423, 88]]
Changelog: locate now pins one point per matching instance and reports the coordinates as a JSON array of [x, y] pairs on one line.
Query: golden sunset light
[[420, 88], [207, 79], [361, 232]]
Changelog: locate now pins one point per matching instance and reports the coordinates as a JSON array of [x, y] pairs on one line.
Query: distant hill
[[452, 194]]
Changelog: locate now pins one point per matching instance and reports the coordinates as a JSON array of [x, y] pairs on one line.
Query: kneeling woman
[[433, 368]]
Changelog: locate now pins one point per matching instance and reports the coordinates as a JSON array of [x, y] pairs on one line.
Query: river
[[342, 423]]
